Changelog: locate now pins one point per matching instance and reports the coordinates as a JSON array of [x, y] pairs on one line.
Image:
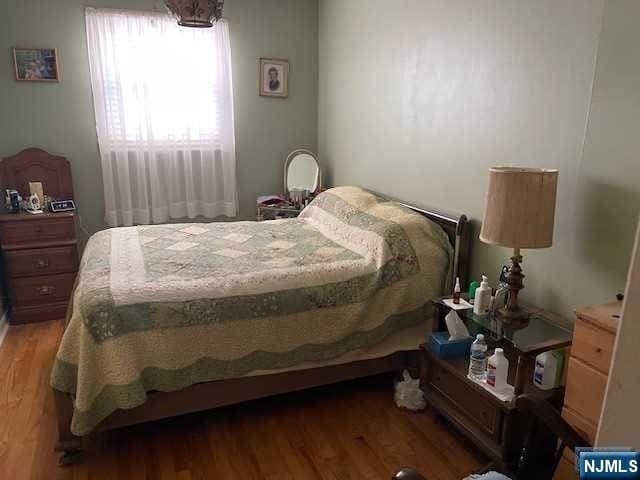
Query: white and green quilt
[[167, 306]]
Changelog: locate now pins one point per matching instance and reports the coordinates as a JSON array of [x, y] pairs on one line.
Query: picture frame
[[36, 64], [273, 77]]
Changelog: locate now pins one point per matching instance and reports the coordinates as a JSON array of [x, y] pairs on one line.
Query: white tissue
[[456, 327]]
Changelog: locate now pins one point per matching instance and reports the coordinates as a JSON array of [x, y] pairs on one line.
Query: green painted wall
[[59, 117], [609, 181], [418, 99]]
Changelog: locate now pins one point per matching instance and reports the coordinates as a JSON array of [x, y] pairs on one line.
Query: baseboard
[[4, 326]]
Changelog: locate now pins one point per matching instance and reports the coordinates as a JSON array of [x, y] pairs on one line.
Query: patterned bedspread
[[163, 307]]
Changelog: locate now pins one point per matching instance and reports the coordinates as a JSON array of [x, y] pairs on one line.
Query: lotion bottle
[[483, 297]]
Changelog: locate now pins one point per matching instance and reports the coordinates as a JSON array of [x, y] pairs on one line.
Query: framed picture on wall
[[273, 77], [36, 64]]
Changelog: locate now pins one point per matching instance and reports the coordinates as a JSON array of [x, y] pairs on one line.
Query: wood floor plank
[[346, 431]]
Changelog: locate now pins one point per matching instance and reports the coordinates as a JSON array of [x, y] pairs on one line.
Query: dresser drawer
[[41, 261], [566, 468], [468, 402], [42, 289], [585, 390], [583, 426], [36, 231], [593, 345]]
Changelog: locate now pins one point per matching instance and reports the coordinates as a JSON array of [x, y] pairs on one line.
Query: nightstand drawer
[[585, 390], [36, 231], [593, 345], [42, 289], [42, 261], [466, 400]]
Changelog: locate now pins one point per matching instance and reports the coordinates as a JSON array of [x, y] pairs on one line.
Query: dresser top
[[23, 216], [604, 316]]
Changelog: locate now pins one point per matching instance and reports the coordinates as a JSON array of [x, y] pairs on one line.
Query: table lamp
[[519, 212]]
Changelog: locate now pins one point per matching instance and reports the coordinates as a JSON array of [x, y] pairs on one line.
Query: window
[[163, 99]]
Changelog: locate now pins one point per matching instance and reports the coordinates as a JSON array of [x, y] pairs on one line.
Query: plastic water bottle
[[478, 359]]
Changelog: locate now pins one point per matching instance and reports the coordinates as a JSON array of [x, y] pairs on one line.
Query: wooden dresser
[[39, 252], [594, 336]]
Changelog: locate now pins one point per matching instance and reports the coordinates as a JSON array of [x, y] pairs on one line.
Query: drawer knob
[[41, 263], [598, 350], [38, 230], [46, 290]]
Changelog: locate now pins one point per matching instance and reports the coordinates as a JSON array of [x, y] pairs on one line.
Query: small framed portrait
[[273, 77], [36, 64]]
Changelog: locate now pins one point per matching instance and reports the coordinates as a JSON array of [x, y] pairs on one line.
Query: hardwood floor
[[346, 431]]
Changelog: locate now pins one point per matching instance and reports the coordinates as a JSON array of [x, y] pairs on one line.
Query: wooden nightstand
[[39, 251], [493, 425], [41, 260]]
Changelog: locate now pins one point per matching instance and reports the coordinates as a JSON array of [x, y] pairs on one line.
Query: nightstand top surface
[[541, 333], [22, 216]]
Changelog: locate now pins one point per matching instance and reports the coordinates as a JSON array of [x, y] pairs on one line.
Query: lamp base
[[511, 312], [517, 317]]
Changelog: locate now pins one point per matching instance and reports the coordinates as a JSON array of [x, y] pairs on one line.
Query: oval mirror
[[301, 171]]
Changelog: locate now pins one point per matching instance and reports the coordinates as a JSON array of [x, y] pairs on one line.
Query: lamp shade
[[520, 207]]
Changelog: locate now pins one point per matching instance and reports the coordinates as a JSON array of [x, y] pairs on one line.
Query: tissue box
[[442, 347]]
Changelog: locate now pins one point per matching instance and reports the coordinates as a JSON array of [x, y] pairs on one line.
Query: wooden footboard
[[205, 396]]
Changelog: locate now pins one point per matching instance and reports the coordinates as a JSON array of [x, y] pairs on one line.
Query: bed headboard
[[459, 232], [37, 165], [458, 229]]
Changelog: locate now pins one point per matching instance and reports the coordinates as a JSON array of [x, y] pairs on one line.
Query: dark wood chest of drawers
[[40, 257]]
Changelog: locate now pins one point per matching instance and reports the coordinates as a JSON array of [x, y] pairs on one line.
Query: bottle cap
[[499, 350]]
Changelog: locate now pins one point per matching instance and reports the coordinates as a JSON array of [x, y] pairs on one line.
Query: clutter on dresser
[[442, 346], [548, 369], [36, 188], [302, 182], [33, 204], [478, 358], [274, 207], [483, 407], [542, 332], [482, 301], [455, 326], [473, 286], [58, 206], [456, 292], [13, 201]]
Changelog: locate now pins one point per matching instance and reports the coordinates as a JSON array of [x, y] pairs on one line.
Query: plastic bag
[[488, 476], [408, 394]]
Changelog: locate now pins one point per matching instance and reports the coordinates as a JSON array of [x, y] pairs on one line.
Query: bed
[[176, 318]]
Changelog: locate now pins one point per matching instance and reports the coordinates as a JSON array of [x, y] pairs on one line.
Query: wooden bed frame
[[208, 395]]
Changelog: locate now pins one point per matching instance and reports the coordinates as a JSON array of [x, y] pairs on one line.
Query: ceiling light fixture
[[196, 13]]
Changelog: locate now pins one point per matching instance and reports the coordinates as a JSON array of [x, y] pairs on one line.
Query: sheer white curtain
[[163, 100]]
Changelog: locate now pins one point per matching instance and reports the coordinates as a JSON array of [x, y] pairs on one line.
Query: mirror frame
[[289, 159]]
